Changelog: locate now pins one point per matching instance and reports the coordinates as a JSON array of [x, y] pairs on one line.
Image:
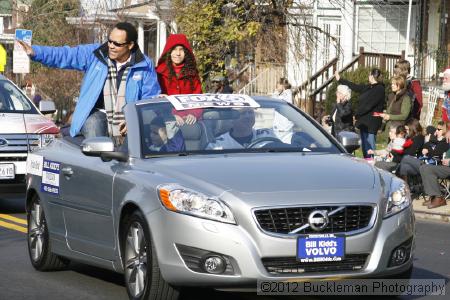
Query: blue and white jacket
[[141, 82]]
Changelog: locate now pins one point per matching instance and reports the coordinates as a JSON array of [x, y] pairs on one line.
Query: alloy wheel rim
[[136, 259], [36, 231]]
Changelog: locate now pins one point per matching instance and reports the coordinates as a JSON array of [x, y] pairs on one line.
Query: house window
[[7, 23], [382, 28], [150, 37]]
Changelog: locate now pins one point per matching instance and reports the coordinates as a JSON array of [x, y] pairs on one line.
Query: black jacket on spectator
[[342, 117], [416, 147], [436, 148], [371, 99]]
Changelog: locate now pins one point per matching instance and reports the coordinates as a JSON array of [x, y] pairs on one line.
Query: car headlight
[[186, 201], [399, 197], [43, 141]]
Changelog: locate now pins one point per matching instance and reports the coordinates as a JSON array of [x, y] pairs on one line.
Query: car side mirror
[[95, 146], [102, 147], [47, 106], [350, 140]]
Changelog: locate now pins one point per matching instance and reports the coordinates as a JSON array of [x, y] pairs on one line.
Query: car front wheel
[[39, 247], [143, 278]]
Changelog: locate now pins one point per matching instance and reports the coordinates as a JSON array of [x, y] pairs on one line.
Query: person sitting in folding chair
[[432, 176]]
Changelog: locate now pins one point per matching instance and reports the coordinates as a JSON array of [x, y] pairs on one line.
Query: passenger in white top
[[283, 91], [241, 134]]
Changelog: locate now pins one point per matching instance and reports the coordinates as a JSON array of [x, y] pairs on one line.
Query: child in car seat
[[159, 140]]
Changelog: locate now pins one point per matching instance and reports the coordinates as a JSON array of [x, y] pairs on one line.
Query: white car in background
[[23, 128]]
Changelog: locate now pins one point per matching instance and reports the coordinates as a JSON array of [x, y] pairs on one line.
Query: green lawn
[[358, 153]]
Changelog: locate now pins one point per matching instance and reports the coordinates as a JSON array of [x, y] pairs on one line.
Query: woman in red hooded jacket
[[178, 74]]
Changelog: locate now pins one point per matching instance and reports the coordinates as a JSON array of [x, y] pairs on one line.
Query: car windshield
[[12, 100], [273, 126]]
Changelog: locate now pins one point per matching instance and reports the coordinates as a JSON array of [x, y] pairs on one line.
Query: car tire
[[39, 245], [143, 277]]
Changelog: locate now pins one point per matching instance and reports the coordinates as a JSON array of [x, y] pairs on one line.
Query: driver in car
[[242, 133]]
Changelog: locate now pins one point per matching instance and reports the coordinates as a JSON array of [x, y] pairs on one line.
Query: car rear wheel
[[39, 246], [143, 278]]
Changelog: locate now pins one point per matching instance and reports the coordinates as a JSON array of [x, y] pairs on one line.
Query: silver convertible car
[[217, 191]]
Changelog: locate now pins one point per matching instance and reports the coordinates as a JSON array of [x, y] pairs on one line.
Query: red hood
[[35, 123], [172, 41]]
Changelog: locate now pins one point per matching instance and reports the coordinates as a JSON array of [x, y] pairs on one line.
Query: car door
[[86, 194]]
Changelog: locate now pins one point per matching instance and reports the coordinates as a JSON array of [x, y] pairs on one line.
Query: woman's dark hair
[[189, 69], [376, 73], [404, 65], [158, 122], [285, 83], [414, 128], [400, 129], [132, 34]]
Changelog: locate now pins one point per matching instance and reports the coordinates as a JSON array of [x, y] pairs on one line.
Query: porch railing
[[431, 64], [314, 90], [265, 82]]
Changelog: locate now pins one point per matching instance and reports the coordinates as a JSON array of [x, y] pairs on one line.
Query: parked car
[[253, 190], [23, 128]]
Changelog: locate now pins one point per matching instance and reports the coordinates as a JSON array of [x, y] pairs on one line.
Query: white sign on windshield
[[182, 102]]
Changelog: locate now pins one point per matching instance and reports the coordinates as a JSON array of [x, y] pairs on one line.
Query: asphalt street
[[18, 279]]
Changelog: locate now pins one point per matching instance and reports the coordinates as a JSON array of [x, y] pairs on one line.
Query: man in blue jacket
[[116, 73]]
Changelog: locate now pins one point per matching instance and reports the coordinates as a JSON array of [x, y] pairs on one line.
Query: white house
[[338, 28], [146, 15]]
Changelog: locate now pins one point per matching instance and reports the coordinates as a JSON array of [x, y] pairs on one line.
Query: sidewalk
[[439, 214]]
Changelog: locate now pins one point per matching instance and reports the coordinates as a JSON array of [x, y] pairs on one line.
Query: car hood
[[270, 172], [35, 123]]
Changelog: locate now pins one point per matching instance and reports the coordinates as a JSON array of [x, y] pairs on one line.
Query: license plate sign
[[7, 171], [320, 248]]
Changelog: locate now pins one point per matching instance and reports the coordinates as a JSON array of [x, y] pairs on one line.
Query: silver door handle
[[67, 171]]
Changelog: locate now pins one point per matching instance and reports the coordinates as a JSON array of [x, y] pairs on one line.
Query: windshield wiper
[[185, 153], [280, 150]]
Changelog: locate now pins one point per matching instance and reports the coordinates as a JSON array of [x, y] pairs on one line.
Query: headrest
[[191, 132], [221, 114]]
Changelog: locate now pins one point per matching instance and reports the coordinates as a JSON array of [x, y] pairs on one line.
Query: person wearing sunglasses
[[432, 153], [115, 73]]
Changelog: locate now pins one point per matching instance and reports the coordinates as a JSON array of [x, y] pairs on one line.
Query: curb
[[424, 215]]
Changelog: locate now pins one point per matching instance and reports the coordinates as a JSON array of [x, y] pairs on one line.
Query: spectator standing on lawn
[[341, 118], [399, 103], [413, 86], [371, 100]]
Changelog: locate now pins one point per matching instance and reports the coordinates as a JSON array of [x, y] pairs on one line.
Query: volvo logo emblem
[[318, 220], [3, 142]]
